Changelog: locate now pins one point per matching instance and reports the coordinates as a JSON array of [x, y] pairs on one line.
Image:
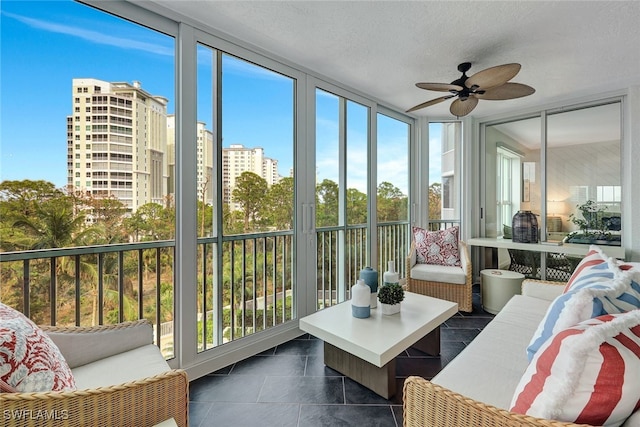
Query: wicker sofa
[[122, 380], [449, 283], [476, 388]]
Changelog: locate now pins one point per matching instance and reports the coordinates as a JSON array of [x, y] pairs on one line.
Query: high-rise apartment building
[[204, 161], [117, 142], [238, 159]]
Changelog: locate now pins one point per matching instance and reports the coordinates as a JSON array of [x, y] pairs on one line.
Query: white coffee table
[[365, 350]]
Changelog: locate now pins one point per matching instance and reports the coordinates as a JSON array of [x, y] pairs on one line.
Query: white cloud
[[94, 36]]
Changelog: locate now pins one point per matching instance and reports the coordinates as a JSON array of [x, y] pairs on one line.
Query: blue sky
[[45, 44]]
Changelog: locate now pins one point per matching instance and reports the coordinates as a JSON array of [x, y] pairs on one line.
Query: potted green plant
[[390, 296], [593, 226]]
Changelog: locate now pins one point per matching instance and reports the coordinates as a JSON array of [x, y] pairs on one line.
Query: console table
[[492, 244]]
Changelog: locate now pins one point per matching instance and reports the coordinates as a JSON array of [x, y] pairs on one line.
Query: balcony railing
[[253, 291], [91, 285]]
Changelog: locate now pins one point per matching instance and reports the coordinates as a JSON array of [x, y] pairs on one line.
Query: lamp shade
[[555, 208]]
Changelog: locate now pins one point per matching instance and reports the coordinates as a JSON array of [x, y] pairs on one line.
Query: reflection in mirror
[[584, 191], [512, 173]]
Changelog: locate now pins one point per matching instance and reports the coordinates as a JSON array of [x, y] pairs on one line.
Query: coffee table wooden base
[[430, 344], [381, 380]]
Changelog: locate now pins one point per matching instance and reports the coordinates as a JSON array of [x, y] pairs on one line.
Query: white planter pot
[[389, 309]]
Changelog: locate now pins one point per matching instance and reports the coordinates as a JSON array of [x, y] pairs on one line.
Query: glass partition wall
[[565, 167], [584, 191]]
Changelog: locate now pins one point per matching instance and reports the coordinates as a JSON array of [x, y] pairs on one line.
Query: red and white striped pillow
[[587, 373], [594, 257], [596, 266]]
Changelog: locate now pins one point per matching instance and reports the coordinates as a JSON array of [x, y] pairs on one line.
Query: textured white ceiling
[[568, 49]]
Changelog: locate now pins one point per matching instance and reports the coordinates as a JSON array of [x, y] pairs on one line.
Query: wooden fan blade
[[494, 76], [429, 103], [440, 87], [506, 91], [461, 108]]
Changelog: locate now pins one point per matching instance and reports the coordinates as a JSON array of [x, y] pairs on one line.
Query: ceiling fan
[[491, 84]]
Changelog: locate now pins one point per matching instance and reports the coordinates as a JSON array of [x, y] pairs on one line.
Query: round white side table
[[497, 287]]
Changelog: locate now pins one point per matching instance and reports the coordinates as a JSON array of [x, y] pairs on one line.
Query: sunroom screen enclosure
[[257, 178]]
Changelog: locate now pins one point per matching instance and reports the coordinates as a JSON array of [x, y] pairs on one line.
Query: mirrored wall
[[565, 167]]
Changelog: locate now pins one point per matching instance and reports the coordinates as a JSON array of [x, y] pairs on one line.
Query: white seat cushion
[[491, 366], [439, 273], [168, 423], [131, 365]]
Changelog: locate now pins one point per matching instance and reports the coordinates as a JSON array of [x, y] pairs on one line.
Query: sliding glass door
[[245, 198], [342, 165], [362, 181]]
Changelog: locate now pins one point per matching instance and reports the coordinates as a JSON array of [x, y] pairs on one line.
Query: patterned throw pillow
[[6, 388], [437, 247], [29, 360], [585, 374], [591, 299]]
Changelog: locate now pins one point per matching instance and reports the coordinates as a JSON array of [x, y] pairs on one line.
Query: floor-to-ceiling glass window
[[86, 155], [392, 191], [206, 197], [191, 157], [245, 176], [445, 140], [342, 173], [328, 200]]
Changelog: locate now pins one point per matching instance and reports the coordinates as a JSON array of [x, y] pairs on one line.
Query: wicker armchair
[[460, 293], [143, 402], [426, 404]]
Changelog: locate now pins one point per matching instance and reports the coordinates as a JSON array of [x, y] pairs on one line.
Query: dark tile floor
[[289, 385]]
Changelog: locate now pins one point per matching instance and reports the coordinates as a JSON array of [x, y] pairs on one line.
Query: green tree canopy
[[249, 193], [435, 201], [356, 206], [278, 209], [392, 203], [151, 221], [20, 198], [327, 203], [53, 225]]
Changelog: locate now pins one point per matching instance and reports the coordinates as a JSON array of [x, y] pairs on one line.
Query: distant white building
[[204, 162], [117, 142], [121, 142], [238, 159]]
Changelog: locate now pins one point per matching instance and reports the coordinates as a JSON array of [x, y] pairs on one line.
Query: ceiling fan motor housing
[[466, 91]]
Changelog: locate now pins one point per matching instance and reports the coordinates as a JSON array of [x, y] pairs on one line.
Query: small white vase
[[389, 309]]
